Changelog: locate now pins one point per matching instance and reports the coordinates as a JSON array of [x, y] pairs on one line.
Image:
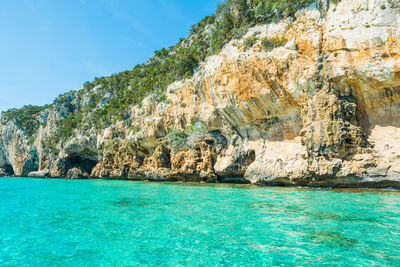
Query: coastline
[[364, 186], [298, 114]]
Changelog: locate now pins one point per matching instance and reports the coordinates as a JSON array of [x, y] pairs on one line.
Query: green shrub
[[178, 140], [271, 43], [249, 42], [239, 33], [134, 129], [66, 126], [50, 145], [109, 146]]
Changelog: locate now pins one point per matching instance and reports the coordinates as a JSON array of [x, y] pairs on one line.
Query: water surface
[[118, 223]]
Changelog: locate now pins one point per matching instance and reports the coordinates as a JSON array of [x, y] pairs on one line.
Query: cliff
[[312, 101]]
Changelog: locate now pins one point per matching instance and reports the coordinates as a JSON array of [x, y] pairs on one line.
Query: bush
[[65, 127], [239, 33], [249, 42], [109, 146], [50, 145], [270, 43], [178, 140]]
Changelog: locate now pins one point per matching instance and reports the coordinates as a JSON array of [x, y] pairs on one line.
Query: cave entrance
[[8, 169], [32, 165], [84, 164]]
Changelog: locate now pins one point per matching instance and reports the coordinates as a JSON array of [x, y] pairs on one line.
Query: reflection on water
[[120, 223]]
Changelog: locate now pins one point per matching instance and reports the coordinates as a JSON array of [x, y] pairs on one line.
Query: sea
[[56, 222]]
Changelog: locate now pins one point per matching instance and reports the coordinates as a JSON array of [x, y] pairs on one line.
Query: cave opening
[[84, 164], [8, 169], [219, 137], [250, 157], [32, 165]]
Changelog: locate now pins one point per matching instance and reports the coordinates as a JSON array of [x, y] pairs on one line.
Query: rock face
[[16, 157], [321, 110]]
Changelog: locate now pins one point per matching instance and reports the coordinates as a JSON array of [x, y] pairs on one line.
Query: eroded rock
[[74, 173]]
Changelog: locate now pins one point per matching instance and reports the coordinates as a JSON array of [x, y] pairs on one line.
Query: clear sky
[[48, 47]]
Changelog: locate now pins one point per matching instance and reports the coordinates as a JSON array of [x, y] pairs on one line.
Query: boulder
[[39, 174], [75, 173]]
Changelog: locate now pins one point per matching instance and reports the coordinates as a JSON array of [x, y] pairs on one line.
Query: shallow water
[[119, 223]]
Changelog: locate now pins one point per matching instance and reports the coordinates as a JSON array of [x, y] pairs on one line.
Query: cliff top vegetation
[[231, 20]]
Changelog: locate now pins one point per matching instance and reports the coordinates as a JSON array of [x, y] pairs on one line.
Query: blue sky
[[48, 47]]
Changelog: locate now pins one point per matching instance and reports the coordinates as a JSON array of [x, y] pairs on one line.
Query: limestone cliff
[[321, 107]]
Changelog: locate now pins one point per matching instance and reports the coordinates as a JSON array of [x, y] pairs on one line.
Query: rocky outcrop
[[16, 156], [232, 164], [39, 174], [74, 173], [321, 109]]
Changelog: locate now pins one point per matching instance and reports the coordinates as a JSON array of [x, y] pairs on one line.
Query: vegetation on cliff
[[26, 118], [231, 20]]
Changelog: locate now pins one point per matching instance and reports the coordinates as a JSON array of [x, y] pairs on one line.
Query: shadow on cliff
[[377, 102], [84, 164], [8, 169]]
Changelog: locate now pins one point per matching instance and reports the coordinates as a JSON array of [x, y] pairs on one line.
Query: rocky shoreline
[[320, 108], [328, 184]]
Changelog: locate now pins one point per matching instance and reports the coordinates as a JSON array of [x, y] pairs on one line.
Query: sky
[[49, 47]]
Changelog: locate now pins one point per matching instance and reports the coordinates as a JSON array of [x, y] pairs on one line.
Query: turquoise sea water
[[122, 223]]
